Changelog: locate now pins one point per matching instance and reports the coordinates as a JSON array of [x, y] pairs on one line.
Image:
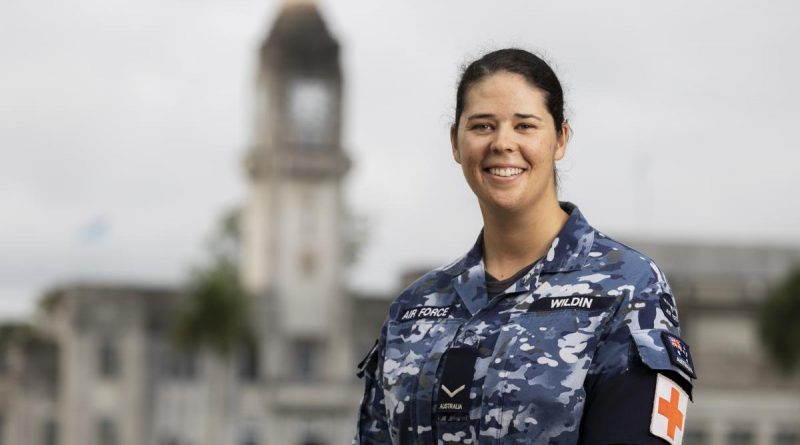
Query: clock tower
[[292, 230]]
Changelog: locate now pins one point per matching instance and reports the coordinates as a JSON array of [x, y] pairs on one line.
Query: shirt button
[[469, 338]]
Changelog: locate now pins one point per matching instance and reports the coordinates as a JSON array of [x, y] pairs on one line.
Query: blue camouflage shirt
[[524, 363]]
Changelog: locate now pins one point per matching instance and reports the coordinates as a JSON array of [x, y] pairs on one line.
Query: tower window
[[50, 432], [308, 263], [107, 358], [310, 103], [106, 432]]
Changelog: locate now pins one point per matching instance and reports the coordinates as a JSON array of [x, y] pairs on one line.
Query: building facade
[[100, 366]]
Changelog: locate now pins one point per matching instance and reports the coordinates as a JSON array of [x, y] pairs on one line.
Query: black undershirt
[[495, 287]]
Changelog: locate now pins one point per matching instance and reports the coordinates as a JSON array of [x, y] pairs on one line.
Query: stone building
[[101, 369]]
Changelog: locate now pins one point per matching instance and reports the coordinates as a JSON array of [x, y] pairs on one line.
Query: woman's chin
[[503, 206]]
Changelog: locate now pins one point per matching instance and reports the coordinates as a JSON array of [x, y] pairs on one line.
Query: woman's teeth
[[505, 171]]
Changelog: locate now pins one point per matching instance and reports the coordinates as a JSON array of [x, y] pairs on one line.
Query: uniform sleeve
[[642, 341], [371, 426]]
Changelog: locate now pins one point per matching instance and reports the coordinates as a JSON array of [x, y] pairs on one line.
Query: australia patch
[[679, 353], [580, 302], [669, 308], [415, 313]]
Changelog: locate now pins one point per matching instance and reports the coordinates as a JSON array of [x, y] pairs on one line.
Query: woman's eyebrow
[[481, 116], [490, 115]]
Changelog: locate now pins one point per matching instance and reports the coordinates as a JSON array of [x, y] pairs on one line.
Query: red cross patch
[[669, 411]]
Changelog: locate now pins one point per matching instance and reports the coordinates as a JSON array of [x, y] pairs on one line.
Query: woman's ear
[[453, 145], [561, 141]]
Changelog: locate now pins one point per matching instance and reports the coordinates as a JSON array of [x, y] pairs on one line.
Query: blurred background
[[207, 206]]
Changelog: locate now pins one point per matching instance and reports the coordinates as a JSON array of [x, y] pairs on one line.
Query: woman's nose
[[503, 140]]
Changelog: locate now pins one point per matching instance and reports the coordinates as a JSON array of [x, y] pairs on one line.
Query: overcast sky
[[123, 124]]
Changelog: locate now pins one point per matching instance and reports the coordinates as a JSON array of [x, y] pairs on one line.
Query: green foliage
[[215, 312], [14, 333], [779, 322], [48, 301], [225, 245]]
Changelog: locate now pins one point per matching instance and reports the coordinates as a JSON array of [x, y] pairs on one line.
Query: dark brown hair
[[513, 60]]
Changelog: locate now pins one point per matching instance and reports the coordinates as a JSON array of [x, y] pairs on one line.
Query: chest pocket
[[413, 351], [534, 386]]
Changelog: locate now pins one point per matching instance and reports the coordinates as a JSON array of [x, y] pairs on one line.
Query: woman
[[547, 331]]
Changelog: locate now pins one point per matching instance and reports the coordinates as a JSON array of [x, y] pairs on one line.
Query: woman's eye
[[524, 126], [482, 127]]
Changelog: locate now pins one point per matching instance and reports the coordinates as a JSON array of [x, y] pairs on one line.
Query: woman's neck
[[512, 241]]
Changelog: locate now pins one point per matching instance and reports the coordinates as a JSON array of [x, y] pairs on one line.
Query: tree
[[215, 312], [215, 315], [778, 322]]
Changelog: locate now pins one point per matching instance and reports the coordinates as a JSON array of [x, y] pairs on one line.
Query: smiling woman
[[546, 331]]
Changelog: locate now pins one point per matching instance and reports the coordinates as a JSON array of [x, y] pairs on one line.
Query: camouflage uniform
[[539, 350]]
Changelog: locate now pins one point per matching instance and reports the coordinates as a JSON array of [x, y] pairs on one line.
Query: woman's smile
[[504, 172]]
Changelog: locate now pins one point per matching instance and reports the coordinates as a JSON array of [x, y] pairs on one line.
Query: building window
[[247, 362], [305, 359], [787, 438], [169, 440], [695, 437], [741, 436], [106, 432], [249, 438], [50, 432], [180, 365], [308, 263], [312, 440], [107, 358]]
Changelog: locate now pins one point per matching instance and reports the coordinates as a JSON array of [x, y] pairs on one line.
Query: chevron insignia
[[453, 392]]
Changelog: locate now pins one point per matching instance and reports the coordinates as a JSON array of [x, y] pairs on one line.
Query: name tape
[[580, 302]]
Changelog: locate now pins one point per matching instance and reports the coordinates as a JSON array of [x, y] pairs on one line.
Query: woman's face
[[506, 143]]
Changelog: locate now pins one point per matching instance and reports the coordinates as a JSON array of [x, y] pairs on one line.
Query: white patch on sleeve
[[669, 411]]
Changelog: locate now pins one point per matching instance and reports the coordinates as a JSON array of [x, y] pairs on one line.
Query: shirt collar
[[568, 251]]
